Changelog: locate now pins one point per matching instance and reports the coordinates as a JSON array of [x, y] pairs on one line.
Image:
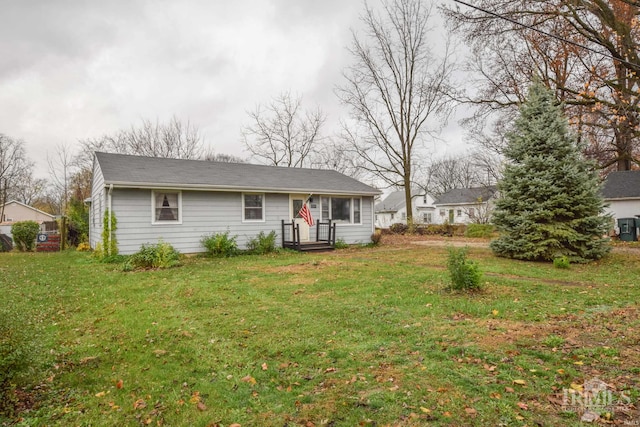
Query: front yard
[[365, 336]]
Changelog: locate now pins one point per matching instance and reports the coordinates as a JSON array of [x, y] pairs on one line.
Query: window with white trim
[[345, 210], [252, 207], [167, 207]]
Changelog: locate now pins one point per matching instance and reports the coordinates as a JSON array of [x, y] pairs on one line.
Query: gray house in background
[[621, 191], [465, 205], [180, 201]]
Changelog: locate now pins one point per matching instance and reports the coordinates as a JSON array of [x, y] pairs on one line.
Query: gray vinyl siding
[[203, 213], [206, 212], [97, 206]]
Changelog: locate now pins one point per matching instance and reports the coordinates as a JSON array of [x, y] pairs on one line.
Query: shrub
[[160, 255], [376, 237], [220, 244], [465, 274], [341, 244], [109, 242], [561, 262], [83, 247], [24, 234], [17, 351], [479, 230], [262, 243], [399, 228]]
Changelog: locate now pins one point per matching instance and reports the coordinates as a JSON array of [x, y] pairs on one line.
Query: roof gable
[[462, 196], [155, 172], [24, 205], [622, 185]]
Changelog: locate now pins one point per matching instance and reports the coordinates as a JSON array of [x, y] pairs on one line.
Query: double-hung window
[[345, 210], [167, 207], [252, 207]]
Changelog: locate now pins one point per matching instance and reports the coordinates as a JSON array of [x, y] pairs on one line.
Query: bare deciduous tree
[[174, 139], [13, 165], [395, 90], [61, 170], [282, 134], [586, 51], [223, 158]]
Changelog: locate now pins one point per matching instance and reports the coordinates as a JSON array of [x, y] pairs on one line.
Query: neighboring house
[[392, 209], [15, 211], [621, 191], [465, 205], [180, 201]]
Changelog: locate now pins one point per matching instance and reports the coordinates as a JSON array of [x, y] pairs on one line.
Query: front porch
[[325, 237]]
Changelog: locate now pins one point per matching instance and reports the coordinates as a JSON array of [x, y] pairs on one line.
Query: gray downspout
[[109, 218]]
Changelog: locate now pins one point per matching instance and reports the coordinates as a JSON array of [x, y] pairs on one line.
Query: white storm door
[[295, 202]]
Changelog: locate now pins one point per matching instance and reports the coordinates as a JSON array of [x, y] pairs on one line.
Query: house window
[[472, 213], [392, 215], [459, 212], [253, 207], [442, 212], [341, 209], [426, 218], [404, 216], [167, 207], [424, 199]]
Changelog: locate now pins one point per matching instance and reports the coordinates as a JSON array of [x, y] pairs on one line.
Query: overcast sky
[[74, 69]]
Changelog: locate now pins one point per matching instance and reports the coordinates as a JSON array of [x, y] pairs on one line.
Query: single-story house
[[15, 211], [393, 210], [181, 201], [465, 205], [621, 191]]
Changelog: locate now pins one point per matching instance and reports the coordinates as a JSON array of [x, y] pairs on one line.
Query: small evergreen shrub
[[262, 243], [561, 262], [220, 244], [479, 230], [24, 235], [465, 274], [160, 255], [341, 244], [376, 237]]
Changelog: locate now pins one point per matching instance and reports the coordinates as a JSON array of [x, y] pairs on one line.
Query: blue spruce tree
[[550, 203]]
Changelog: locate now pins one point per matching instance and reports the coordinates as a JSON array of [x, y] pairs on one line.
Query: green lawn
[[355, 337]]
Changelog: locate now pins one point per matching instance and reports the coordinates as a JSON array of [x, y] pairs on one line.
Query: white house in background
[[180, 201], [392, 209], [465, 205], [15, 211], [621, 190]]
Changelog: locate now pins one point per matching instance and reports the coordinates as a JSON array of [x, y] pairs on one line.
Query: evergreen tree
[[550, 203]]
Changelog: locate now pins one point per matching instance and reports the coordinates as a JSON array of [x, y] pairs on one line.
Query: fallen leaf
[[577, 387], [248, 379], [523, 406], [425, 410], [264, 366], [139, 404], [520, 382], [495, 395], [332, 369], [100, 394], [471, 411], [579, 363], [235, 425], [119, 384], [201, 406], [494, 312], [509, 390]]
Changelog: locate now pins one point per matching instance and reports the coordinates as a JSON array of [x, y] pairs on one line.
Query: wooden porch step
[[312, 247]]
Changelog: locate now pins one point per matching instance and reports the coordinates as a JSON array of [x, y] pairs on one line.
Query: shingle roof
[[460, 196], [622, 185], [392, 203], [154, 172]]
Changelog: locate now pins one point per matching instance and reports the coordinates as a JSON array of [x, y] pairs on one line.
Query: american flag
[[305, 214]]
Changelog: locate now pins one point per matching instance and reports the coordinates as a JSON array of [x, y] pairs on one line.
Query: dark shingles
[[126, 170], [622, 185], [466, 195]]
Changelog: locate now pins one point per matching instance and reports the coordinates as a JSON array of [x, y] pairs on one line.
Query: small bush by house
[[24, 235], [159, 255], [220, 244], [262, 243], [465, 274]]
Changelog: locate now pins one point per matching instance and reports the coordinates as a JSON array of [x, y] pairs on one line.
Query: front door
[[296, 202], [450, 216]]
